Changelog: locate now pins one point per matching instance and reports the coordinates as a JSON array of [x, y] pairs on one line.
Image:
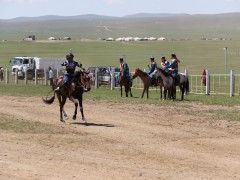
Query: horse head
[[85, 80], [136, 73]]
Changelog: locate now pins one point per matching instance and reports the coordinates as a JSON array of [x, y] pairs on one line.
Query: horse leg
[[126, 91], [121, 91], [143, 91], [174, 93], [64, 114], [130, 92], [75, 111], [147, 92], [165, 93], [81, 108], [62, 103], [160, 92], [182, 91]]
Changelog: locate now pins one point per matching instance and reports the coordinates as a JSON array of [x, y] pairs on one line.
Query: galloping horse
[[183, 83], [74, 92], [126, 83], [168, 83]]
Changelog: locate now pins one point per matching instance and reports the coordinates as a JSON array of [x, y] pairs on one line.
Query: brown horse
[[126, 83], [147, 81], [81, 83]]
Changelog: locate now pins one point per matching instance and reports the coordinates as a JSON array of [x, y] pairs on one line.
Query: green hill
[[92, 26]]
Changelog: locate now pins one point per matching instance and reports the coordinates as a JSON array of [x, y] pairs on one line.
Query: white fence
[[215, 83]]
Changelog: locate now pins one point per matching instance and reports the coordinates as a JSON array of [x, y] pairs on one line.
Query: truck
[[23, 64]]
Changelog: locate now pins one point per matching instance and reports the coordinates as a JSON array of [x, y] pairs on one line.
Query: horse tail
[[49, 101], [187, 86]]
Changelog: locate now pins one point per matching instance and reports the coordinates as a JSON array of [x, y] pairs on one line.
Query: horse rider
[[164, 63], [123, 67], [152, 70], [70, 66], [173, 67]]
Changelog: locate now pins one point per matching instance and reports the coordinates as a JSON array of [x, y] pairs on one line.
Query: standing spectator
[[50, 75], [204, 77], [1, 73]]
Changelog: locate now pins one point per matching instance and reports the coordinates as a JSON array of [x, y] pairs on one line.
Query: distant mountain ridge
[[92, 26], [56, 17], [88, 16], [148, 15]]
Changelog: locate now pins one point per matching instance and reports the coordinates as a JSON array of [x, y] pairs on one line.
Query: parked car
[[104, 74]]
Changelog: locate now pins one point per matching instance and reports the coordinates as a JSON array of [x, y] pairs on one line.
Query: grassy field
[[104, 93], [194, 55]]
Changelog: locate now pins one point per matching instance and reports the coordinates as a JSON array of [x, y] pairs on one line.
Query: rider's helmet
[[121, 59], [173, 55], [69, 55]]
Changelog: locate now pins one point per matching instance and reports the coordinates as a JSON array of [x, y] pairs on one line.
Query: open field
[[120, 141]]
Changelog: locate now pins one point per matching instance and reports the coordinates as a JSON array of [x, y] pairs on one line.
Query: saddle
[[71, 86]]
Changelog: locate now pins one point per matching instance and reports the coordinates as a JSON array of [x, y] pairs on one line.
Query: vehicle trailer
[[24, 64]]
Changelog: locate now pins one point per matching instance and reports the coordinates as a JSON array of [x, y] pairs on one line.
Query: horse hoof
[[84, 120], [65, 118], [74, 117], [62, 121]]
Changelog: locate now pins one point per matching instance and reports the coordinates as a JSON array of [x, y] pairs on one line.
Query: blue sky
[[32, 8]]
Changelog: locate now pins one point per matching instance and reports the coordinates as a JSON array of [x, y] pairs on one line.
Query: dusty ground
[[120, 141]]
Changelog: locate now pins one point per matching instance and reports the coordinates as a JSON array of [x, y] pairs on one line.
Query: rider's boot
[[61, 86]]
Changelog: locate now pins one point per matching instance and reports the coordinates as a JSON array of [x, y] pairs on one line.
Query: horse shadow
[[91, 124]]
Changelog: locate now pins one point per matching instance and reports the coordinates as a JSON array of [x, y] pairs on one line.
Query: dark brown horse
[[126, 83], [147, 81], [183, 83], [80, 84]]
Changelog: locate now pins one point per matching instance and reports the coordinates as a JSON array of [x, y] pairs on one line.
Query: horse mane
[[164, 72], [142, 72], [77, 74]]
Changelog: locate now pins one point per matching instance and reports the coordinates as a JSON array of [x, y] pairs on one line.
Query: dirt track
[[120, 141]]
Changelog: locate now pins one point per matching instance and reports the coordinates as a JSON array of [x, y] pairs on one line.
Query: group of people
[[170, 67]]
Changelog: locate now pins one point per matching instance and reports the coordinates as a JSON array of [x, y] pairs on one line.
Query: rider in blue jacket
[[123, 67], [173, 66], [152, 68], [70, 65]]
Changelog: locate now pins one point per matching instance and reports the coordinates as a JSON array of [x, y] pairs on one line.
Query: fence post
[[232, 83], [186, 72], [57, 73], [45, 77], [113, 79], [26, 77], [207, 82], [36, 76], [7, 76], [16, 76], [96, 78]]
